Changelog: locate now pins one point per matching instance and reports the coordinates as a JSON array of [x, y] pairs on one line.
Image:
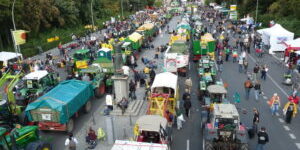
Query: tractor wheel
[[70, 126], [97, 93], [244, 147], [87, 106], [208, 146]]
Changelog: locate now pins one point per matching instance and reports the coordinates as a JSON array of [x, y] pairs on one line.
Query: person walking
[[71, 142], [255, 119], [180, 121], [290, 110], [132, 89], [241, 64], [236, 98], [248, 85], [227, 54], [245, 64], [274, 103], [220, 65], [263, 72], [257, 90], [255, 72], [188, 84], [263, 138], [187, 106]]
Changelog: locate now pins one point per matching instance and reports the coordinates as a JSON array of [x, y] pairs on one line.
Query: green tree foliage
[[285, 12], [44, 16]]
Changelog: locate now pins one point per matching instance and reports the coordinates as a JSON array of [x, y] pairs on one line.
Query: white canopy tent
[[6, 56], [165, 79], [275, 36], [293, 44]]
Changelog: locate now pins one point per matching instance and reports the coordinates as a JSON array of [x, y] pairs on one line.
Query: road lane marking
[[265, 97], [298, 145], [292, 136], [276, 84], [286, 128], [187, 144], [281, 120]]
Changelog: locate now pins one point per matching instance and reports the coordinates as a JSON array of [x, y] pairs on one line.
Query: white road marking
[[286, 128], [298, 145], [265, 97], [276, 84], [187, 144], [292, 136], [281, 120]]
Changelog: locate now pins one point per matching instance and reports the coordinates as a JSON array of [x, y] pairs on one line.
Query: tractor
[[22, 138], [222, 129], [34, 85]]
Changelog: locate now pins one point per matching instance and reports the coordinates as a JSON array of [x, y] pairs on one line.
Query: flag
[[19, 36]]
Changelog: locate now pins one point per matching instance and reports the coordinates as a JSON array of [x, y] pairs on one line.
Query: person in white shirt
[[126, 70], [71, 142]]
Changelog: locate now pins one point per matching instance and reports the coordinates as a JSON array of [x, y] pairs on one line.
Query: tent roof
[[147, 26], [151, 123], [293, 43], [37, 75], [216, 89], [165, 79], [275, 30], [132, 145], [135, 37], [104, 49], [4, 56]]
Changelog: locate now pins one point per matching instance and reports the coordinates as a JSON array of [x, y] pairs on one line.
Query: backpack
[[72, 144]]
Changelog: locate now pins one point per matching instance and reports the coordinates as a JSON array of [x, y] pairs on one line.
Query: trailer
[[136, 40], [177, 58], [132, 145], [205, 46], [56, 109]]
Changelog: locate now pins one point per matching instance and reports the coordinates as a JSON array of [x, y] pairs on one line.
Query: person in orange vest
[[274, 103]]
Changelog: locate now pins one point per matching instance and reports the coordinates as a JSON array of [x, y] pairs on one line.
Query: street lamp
[[256, 12], [92, 13], [17, 47], [122, 9]]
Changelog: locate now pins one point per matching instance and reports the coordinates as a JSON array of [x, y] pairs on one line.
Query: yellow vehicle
[[164, 95]]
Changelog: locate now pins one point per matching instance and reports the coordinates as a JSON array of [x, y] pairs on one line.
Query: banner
[[19, 36], [232, 7]]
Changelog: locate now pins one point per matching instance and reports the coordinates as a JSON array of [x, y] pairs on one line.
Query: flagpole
[[17, 47]]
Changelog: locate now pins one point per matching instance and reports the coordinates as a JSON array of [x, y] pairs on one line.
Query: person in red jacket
[[294, 98]]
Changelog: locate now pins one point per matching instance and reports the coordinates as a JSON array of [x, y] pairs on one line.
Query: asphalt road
[[282, 135]]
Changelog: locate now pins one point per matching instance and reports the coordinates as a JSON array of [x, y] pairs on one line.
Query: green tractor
[[34, 85], [22, 138], [96, 77], [82, 58]]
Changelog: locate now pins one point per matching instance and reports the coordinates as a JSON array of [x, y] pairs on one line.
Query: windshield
[[80, 56], [226, 123], [32, 84]]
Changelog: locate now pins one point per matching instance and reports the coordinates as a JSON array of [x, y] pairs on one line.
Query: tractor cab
[[223, 129], [95, 75], [33, 85], [164, 95], [82, 58], [152, 129], [214, 94]]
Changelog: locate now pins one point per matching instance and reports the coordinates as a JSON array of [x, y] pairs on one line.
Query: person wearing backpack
[[71, 142], [248, 85]]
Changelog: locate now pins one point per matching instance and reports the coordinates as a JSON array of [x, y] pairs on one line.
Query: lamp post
[[92, 13], [17, 47], [256, 12], [122, 9]]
